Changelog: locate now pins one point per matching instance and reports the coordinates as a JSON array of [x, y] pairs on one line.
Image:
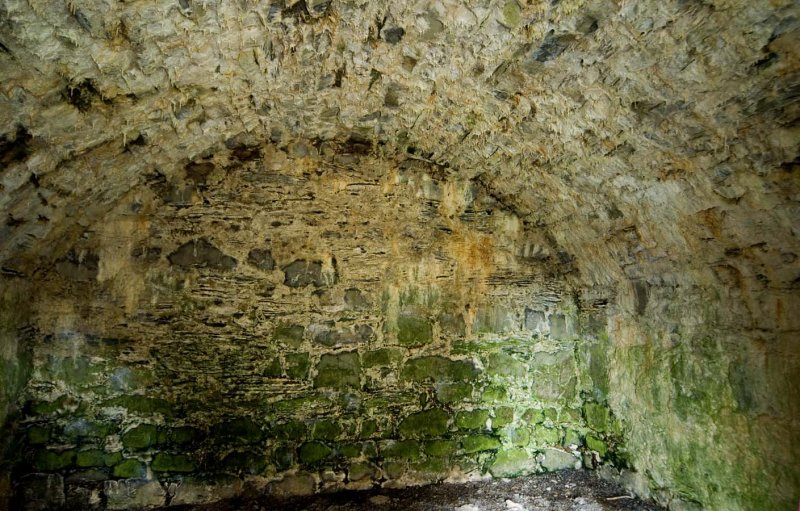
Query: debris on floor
[[569, 490]]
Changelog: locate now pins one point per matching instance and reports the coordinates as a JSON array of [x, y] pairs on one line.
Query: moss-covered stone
[[292, 430], [251, 463], [394, 469], [51, 461], [533, 416], [368, 429], [495, 394], [472, 419], [273, 369], [340, 371], [326, 430], [144, 405], [314, 452], [130, 469], [512, 462], [571, 437], [382, 358], [596, 444], [441, 448], [81, 428], [597, 416], [425, 424], [166, 462], [453, 393], [505, 365], [283, 457], [438, 369], [290, 335], [503, 416], [241, 431], [38, 435], [140, 437], [408, 450], [477, 443], [516, 436], [434, 468], [91, 458], [546, 436], [297, 365], [413, 330], [183, 435], [361, 471], [351, 450]]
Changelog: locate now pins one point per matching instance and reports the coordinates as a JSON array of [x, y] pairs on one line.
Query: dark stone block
[[261, 259], [201, 253]]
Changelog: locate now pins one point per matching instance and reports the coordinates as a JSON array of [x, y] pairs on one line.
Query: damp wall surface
[[15, 368], [293, 330]]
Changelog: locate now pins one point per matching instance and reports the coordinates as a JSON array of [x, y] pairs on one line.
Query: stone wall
[[303, 319], [15, 367]]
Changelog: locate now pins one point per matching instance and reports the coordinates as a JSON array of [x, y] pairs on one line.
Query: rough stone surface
[[585, 209]]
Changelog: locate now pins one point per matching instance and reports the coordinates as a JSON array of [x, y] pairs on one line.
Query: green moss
[[38, 435], [360, 471], [82, 428], [505, 365], [436, 467], [140, 437], [478, 443], [91, 458], [51, 461], [351, 450], [293, 430], [130, 469], [533, 416], [60, 404], [408, 450], [248, 462], [326, 430], [512, 462], [426, 424], [516, 436], [438, 369], [546, 436], [441, 448], [283, 458], [368, 429], [273, 369], [571, 437], [394, 469], [291, 335], [241, 430], [503, 416], [165, 462], [297, 365], [449, 393], [314, 452], [382, 358], [413, 331], [342, 370], [494, 394], [142, 405], [596, 444], [597, 416], [511, 13], [181, 435], [473, 419]]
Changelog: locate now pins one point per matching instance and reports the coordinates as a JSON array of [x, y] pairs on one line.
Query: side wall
[[15, 368]]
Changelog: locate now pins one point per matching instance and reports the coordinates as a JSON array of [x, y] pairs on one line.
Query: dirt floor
[[561, 491]]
